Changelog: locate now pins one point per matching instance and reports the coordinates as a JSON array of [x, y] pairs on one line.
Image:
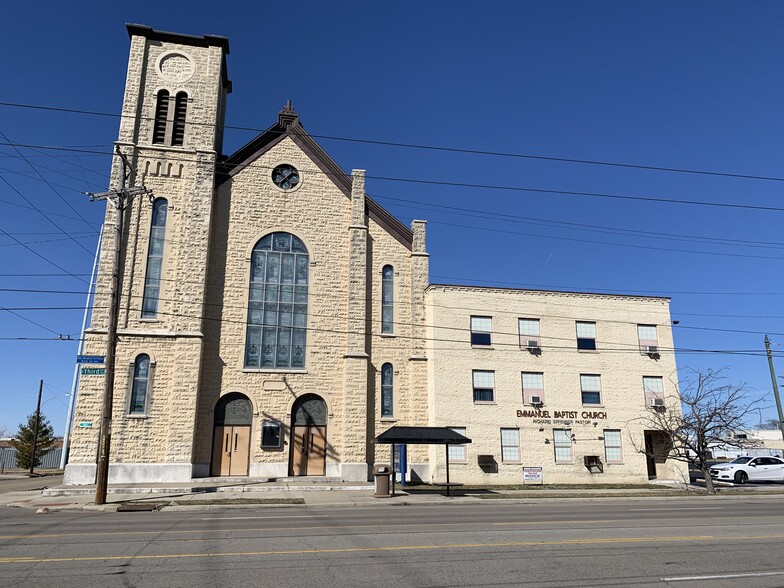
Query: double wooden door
[[231, 450], [309, 450]]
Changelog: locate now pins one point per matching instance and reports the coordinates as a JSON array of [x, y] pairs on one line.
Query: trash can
[[382, 473]]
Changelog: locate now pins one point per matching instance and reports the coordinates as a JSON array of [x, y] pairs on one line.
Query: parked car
[[749, 469]]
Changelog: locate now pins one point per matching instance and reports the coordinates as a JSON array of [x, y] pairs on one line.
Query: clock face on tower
[[285, 176]]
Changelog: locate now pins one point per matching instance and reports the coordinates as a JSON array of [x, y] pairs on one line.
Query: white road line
[[683, 508], [722, 576], [248, 518]]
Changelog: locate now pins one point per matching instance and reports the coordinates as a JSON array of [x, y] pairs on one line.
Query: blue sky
[[693, 85]]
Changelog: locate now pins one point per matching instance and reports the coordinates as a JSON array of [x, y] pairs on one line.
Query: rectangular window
[[457, 453], [586, 336], [484, 386], [646, 335], [562, 439], [270, 435], [612, 446], [528, 330], [533, 387], [481, 329], [510, 445], [653, 388], [591, 387]]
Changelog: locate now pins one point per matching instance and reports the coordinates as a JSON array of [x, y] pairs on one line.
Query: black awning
[[422, 436]]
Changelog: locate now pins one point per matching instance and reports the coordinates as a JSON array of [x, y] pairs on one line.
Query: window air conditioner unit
[[532, 344], [657, 402], [593, 463], [652, 351], [485, 461], [535, 399]]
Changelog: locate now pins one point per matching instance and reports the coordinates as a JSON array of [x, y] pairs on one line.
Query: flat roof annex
[[422, 436]]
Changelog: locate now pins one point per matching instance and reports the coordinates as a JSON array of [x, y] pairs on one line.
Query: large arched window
[[152, 279], [277, 303], [140, 384], [387, 299], [161, 118], [387, 389]]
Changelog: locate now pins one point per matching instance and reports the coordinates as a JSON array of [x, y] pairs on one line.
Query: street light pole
[[775, 385], [35, 428], [120, 199]]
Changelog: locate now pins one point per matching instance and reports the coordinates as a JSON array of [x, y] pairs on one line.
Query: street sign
[[93, 371], [86, 425], [90, 359]]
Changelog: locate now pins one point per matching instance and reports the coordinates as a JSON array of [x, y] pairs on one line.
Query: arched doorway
[[308, 455], [231, 436]]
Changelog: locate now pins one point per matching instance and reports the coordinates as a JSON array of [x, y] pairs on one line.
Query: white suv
[[749, 469]]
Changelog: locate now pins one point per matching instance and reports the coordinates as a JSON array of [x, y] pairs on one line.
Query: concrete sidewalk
[[212, 495]]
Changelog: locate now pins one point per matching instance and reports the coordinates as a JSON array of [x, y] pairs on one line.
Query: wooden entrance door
[[230, 451], [231, 437], [308, 455], [309, 437]]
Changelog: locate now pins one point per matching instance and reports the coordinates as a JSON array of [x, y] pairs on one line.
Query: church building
[[274, 319]]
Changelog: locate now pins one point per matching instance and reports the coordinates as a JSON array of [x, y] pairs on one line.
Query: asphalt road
[[20, 483], [684, 543]]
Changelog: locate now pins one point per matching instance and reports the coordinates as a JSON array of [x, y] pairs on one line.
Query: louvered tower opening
[[161, 117], [178, 130]]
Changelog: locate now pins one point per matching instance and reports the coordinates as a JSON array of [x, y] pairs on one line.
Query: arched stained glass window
[[161, 118], [387, 299], [387, 404], [152, 278], [277, 303], [140, 384]]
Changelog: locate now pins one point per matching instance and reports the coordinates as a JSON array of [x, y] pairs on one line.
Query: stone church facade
[[252, 337], [274, 319]]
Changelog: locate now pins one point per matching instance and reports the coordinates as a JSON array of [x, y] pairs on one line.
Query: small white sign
[[532, 475]]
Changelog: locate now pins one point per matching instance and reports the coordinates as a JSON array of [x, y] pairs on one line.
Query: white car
[[749, 469]]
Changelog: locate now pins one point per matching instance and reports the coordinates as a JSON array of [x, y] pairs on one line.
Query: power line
[[68, 204], [42, 213], [485, 186], [424, 147], [611, 244], [469, 212], [46, 259], [372, 321]]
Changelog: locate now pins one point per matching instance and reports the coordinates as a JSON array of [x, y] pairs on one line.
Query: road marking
[[253, 518], [586, 541], [683, 508], [309, 528], [722, 576]]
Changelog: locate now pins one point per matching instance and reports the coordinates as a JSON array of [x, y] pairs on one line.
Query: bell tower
[[171, 134]]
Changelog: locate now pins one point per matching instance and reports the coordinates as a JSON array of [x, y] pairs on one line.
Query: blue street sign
[[90, 359]]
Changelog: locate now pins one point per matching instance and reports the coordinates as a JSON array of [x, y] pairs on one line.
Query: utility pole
[[775, 385], [35, 428], [120, 198]]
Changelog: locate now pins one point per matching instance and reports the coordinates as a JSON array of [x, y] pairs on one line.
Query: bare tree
[[713, 409], [770, 425]]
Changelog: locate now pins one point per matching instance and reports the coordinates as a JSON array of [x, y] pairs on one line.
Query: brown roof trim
[[292, 128], [193, 40], [614, 295]]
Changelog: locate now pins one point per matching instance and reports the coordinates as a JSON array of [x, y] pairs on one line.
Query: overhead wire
[[492, 153]]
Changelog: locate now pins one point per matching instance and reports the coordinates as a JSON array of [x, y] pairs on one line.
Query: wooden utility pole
[[775, 385], [120, 198], [35, 428]]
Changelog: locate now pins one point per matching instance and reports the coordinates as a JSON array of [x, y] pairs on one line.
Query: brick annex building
[[275, 320]]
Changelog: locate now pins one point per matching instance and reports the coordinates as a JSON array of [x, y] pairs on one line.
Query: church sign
[[561, 417]]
